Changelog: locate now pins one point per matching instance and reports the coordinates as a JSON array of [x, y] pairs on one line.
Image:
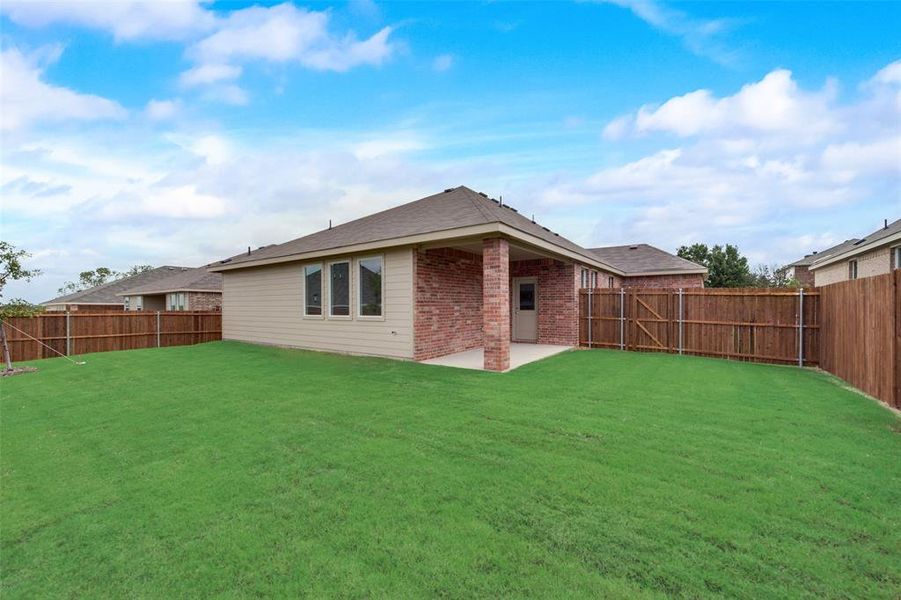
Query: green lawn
[[235, 470]]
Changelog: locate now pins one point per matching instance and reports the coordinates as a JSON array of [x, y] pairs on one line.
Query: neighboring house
[[105, 297], [650, 267], [447, 273], [875, 254], [188, 289], [800, 269]]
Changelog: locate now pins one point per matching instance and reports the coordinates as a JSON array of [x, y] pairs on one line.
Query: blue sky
[[182, 132]]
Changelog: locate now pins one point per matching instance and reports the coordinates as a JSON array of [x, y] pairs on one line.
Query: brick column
[[496, 303]]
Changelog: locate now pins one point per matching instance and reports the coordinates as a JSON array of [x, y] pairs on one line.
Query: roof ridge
[[474, 197]]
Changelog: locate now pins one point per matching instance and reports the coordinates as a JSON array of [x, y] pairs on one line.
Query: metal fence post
[[589, 317], [800, 327], [622, 318], [681, 319], [68, 336], [157, 329]]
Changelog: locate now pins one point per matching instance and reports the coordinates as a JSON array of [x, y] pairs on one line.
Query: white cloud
[[209, 73], [182, 202], [888, 75], [126, 20], [443, 62], [285, 33], [162, 110], [27, 100], [701, 36], [773, 105]]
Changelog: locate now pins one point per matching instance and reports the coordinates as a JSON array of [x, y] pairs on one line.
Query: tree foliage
[[773, 276], [11, 267], [726, 267], [17, 307], [89, 279]]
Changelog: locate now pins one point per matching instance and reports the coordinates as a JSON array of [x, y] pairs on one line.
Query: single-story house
[[875, 254], [800, 269], [650, 267], [188, 289], [450, 272], [105, 297]]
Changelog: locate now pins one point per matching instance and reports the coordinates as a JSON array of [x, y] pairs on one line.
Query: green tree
[[11, 269], [773, 276], [99, 276], [726, 267]]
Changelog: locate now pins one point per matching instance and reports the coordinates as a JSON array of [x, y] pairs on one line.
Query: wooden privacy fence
[[763, 325], [861, 334], [74, 333]]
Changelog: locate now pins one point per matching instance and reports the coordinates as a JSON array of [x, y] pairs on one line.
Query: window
[[370, 281], [594, 279], [312, 290], [176, 301], [852, 269], [610, 282], [126, 303], [139, 303], [526, 296], [896, 255], [339, 289], [584, 278]]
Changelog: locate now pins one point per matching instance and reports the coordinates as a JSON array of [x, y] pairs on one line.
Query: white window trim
[[359, 294], [856, 269], [323, 300], [350, 291], [896, 253]]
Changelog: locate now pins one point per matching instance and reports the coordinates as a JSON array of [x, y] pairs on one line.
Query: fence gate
[[650, 321]]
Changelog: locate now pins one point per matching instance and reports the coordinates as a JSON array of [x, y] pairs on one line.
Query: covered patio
[[520, 354]]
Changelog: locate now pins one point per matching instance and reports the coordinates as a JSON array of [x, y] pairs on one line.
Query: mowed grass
[[234, 470]]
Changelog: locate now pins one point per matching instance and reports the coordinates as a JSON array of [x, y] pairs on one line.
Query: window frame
[[896, 256], [350, 291], [852, 270], [139, 303], [322, 297], [359, 288]]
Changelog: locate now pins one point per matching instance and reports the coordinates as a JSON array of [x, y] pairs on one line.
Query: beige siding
[[869, 264], [265, 305]]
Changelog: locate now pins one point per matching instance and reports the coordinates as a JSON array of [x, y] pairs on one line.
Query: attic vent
[[859, 242], [448, 190], [483, 194], [225, 260], [545, 228], [633, 247], [513, 209]]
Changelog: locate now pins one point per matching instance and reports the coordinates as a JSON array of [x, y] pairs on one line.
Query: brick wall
[[558, 310], [665, 281], [877, 262], [496, 303], [208, 301], [802, 275], [447, 316]]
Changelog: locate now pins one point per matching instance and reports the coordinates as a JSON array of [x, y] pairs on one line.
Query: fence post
[[622, 313], [157, 329], [800, 327], [681, 318], [589, 317], [68, 336]]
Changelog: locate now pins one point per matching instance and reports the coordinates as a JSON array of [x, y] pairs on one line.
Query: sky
[[181, 132]]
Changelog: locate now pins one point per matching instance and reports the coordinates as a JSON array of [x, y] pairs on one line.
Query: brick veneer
[[665, 281], [447, 316], [208, 301], [496, 303], [558, 309]]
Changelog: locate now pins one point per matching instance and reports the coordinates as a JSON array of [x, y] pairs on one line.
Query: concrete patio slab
[[520, 354]]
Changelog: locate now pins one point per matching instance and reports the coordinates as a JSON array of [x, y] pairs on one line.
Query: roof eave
[[701, 271], [855, 251], [167, 291], [446, 234]]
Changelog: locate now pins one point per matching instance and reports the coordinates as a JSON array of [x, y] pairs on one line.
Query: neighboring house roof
[[107, 293], [889, 233], [644, 259], [189, 280], [810, 258], [454, 212]]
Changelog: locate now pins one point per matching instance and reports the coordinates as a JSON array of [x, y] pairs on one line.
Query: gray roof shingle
[[881, 233], [814, 256], [198, 279], [635, 259], [451, 209], [106, 293]]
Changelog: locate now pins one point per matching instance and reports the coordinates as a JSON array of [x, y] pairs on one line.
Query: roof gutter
[[828, 260], [170, 291]]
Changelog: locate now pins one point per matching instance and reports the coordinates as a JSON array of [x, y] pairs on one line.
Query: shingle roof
[[810, 258], [198, 279], [451, 209], [106, 293], [868, 242], [635, 259]]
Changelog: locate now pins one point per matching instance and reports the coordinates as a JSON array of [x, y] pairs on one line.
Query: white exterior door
[[525, 309]]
